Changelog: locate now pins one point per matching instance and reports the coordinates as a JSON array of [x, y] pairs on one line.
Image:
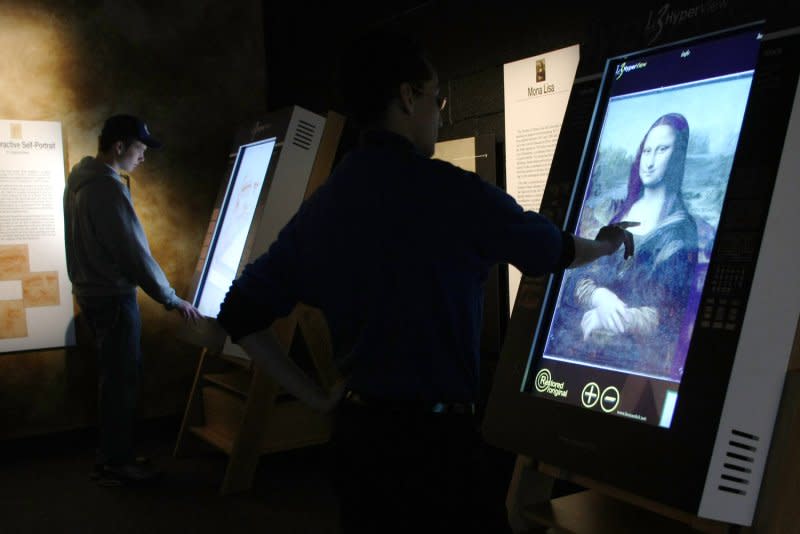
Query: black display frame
[[648, 384], [271, 126], [218, 223], [667, 465]]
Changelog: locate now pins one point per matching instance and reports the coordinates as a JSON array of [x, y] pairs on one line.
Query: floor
[[45, 487]]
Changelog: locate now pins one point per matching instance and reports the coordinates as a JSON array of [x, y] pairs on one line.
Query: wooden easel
[[604, 509], [242, 412]]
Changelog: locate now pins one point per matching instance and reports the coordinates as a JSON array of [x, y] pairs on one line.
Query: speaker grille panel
[[304, 134], [736, 470]]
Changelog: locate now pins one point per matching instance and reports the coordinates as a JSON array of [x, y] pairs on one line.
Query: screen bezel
[[226, 199], [657, 387], [597, 445]]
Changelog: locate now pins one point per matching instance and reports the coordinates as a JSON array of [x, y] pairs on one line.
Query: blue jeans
[[116, 326]]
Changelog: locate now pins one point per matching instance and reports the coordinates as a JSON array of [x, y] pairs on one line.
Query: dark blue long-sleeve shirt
[[395, 248]]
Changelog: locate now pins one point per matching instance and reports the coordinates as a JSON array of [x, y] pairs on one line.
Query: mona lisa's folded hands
[[610, 309]]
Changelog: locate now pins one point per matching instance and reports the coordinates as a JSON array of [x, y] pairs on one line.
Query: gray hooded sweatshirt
[[107, 251]]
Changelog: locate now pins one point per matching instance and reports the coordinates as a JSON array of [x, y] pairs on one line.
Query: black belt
[[443, 408]]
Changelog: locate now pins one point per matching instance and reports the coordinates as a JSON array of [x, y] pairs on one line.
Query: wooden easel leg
[[249, 442], [194, 407]]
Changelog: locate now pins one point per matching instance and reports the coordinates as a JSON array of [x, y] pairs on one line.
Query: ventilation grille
[[304, 134], [738, 465]]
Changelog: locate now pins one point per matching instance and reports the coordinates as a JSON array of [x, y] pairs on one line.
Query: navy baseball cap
[[123, 127]]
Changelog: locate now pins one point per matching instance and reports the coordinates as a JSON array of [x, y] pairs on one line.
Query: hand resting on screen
[[188, 312]]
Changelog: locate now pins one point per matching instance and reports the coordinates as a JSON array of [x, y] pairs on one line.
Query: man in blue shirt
[[395, 249]]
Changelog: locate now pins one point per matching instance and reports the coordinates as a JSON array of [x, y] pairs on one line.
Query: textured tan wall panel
[[195, 71], [12, 319]]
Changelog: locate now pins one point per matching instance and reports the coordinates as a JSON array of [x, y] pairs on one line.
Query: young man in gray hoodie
[[107, 259]]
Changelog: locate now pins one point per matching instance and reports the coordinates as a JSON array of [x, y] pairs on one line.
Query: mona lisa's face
[[656, 152]]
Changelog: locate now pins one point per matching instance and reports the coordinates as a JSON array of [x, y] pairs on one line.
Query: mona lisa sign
[[535, 92]]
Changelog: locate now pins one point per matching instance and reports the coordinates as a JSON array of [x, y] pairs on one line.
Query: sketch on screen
[[234, 224]]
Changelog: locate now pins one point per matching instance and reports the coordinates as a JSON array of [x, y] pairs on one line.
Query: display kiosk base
[[592, 512], [603, 509]]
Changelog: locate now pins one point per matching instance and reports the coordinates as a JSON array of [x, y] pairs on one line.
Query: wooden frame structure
[[236, 408], [242, 412]]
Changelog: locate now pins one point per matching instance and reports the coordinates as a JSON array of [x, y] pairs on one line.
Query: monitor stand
[[604, 509]]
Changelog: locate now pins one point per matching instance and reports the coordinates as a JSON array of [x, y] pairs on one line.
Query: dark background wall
[[198, 69], [195, 70], [470, 41]]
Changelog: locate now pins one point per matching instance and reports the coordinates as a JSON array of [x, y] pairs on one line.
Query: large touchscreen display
[[617, 337], [233, 224]]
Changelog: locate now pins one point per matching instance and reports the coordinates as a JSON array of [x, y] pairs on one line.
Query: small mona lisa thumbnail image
[[540, 71]]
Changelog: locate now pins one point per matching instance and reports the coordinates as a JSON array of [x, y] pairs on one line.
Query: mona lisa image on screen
[[663, 160]]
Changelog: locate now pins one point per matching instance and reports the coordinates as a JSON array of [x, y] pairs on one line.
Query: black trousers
[[397, 471], [116, 327]]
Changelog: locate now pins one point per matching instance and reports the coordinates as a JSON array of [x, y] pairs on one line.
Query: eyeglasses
[[441, 101]]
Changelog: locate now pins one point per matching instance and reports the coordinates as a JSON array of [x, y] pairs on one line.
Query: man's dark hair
[[371, 69], [105, 142]]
